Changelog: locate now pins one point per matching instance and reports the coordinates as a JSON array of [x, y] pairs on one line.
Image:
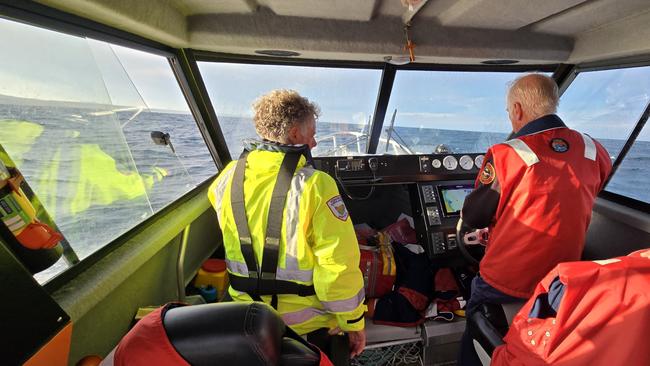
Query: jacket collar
[[266, 145], [543, 123]]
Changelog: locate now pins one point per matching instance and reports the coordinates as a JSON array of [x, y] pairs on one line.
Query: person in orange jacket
[[584, 313], [535, 193]]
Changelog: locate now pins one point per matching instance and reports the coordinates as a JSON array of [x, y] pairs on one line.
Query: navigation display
[[453, 197]]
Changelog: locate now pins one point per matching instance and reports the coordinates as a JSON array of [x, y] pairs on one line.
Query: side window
[[631, 177], [346, 98], [77, 117], [607, 105]]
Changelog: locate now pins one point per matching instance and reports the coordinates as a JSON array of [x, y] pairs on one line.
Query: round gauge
[[436, 163], [478, 161], [450, 162], [466, 162]]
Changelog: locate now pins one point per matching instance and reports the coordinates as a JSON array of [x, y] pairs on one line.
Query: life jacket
[[584, 313], [315, 251], [262, 280], [548, 181], [147, 343]]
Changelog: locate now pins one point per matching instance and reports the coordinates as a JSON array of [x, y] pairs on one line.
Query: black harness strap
[[262, 281], [274, 221], [269, 287], [274, 224]]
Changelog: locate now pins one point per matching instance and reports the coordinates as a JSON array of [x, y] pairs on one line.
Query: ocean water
[[102, 198]]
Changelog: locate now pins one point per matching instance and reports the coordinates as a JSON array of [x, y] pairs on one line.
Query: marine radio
[[350, 165]]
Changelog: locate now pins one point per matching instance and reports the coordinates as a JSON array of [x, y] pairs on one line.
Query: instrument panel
[[437, 187], [436, 212], [401, 168]]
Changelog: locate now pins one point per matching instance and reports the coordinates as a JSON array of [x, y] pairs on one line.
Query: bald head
[[530, 97]]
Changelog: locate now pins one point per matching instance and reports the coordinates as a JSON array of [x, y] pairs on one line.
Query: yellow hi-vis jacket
[[317, 246]]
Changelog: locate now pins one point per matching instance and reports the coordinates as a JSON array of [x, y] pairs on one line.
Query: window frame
[[42, 16], [47, 18]]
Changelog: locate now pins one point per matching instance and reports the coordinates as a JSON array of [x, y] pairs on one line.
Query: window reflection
[[78, 127]]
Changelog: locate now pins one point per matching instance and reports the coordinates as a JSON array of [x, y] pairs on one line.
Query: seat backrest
[[214, 334], [233, 333]]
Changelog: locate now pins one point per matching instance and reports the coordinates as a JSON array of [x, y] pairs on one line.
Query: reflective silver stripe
[[298, 184], [301, 316], [219, 191], [294, 275], [590, 147], [524, 152], [350, 304], [240, 268], [235, 267]]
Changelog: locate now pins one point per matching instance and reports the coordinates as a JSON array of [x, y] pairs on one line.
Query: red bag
[[378, 267], [364, 232], [401, 232]]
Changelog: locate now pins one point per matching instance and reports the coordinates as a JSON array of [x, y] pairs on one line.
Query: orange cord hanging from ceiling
[[410, 46]]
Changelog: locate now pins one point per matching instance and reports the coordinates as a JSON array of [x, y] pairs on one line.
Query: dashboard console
[[429, 188]]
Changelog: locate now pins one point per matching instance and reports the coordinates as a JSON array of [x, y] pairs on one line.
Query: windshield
[[445, 111], [346, 98]]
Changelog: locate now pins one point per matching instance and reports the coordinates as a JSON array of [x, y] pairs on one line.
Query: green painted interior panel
[[141, 272], [204, 239]]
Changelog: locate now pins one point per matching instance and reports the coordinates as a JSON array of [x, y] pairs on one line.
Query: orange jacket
[[548, 182], [599, 314]]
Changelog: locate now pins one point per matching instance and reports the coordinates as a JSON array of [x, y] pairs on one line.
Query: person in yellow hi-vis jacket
[[288, 237]]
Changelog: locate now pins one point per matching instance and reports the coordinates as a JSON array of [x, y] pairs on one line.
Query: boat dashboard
[[379, 189]]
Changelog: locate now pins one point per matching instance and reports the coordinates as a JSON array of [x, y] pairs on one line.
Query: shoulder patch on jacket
[[488, 174], [337, 206], [559, 145]]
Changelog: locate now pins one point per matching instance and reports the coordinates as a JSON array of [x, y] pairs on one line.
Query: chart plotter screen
[[453, 197]]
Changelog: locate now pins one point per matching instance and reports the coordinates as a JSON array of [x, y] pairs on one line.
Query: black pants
[[336, 347]]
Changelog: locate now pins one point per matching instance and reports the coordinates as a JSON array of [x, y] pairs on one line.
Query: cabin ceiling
[[444, 31]]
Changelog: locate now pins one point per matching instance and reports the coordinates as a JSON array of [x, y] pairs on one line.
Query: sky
[[54, 66]]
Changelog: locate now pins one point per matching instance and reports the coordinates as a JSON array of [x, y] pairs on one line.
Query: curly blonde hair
[[278, 111]]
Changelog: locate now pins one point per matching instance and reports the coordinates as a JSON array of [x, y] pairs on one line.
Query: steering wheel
[[464, 234]]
